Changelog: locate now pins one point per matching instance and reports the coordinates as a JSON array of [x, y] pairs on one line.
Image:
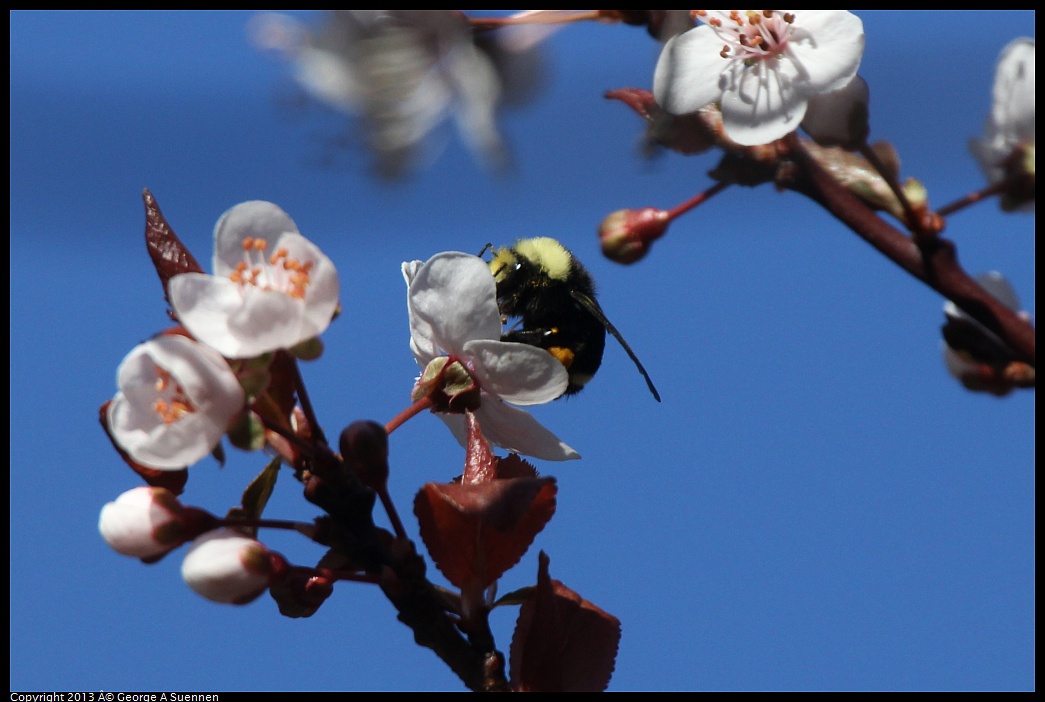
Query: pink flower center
[[751, 35], [277, 272]]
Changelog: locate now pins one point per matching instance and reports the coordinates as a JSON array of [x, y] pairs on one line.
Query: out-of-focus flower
[[147, 522], [1009, 130], [176, 400], [404, 72], [760, 66], [272, 288], [452, 301], [974, 354], [225, 566], [840, 118]]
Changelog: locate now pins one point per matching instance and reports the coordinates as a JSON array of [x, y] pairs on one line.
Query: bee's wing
[[596, 311]]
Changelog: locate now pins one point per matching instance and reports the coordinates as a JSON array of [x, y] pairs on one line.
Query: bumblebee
[[553, 296]]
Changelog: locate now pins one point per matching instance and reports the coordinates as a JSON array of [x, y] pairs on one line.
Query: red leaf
[[562, 642], [640, 100], [169, 255], [688, 134], [475, 533]]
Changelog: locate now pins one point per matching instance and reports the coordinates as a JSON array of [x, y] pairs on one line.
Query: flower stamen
[[756, 36], [173, 403], [278, 272]]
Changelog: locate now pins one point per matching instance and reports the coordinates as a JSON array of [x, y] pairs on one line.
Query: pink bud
[[627, 235]]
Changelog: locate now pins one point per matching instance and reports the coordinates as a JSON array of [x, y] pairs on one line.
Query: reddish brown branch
[[935, 263]]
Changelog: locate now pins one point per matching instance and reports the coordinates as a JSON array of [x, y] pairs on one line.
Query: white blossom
[[404, 72], [979, 344], [452, 302], [1010, 124], [175, 401], [760, 66], [272, 288]]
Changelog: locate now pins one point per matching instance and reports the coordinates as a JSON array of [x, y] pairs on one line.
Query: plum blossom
[[761, 67], [404, 72], [1010, 124], [176, 400], [227, 567], [272, 288], [974, 354], [145, 522], [452, 300]]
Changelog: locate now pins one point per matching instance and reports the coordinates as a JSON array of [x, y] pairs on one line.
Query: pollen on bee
[[562, 354]]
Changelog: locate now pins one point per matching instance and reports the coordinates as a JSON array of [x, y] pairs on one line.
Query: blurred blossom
[[176, 399], [143, 522], [840, 118], [1010, 124], [452, 301], [228, 567], [272, 288], [403, 72], [761, 67], [974, 354]]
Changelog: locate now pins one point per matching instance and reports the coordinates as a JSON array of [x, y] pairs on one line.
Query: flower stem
[[308, 530], [390, 510], [416, 408], [306, 403], [697, 199], [972, 198]]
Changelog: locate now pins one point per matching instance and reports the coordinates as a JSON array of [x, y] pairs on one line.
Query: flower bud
[[146, 522], [840, 118], [364, 449], [228, 567], [300, 594], [627, 235]]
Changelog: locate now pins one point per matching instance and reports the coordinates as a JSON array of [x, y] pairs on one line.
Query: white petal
[[686, 78], [997, 285], [207, 381], [257, 219], [838, 118], [827, 46], [204, 304], [222, 565], [762, 104], [514, 429], [517, 430], [323, 290], [129, 523], [1013, 93], [452, 300], [203, 374], [478, 88], [518, 373], [957, 364]]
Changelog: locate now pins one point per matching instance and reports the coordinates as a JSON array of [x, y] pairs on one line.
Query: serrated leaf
[[474, 533], [562, 642], [169, 256]]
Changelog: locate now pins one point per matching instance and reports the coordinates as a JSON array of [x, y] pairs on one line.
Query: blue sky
[[815, 505]]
